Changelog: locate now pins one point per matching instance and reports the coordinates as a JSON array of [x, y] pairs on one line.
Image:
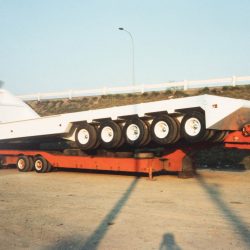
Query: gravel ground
[[77, 210]]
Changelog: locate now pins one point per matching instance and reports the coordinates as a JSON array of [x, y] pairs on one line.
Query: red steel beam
[[170, 162]]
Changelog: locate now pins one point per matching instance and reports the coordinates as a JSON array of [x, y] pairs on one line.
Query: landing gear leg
[[150, 171], [188, 168]]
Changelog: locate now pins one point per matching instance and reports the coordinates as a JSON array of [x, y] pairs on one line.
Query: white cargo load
[[18, 120]]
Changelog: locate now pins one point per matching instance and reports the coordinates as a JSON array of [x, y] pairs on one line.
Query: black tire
[[135, 132], [219, 136], [208, 135], [122, 141], [163, 129], [193, 121], [178, 134], [110, 135], [86, 136], [224, 137], [23, 163], [147, 139], [49, 167], [31, 162], [40, 164]]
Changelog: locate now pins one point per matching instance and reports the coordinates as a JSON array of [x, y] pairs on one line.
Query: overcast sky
[[52, 45]]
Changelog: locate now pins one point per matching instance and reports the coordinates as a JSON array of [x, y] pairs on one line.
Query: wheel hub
[[21, 164], [38, 165], [107, 134], [133, 132], [192, 126], [83, 136], [161, 129]]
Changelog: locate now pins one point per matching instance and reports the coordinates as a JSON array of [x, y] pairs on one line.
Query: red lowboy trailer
[[177, 159]]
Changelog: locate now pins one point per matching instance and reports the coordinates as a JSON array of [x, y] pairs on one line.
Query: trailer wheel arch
[[185, 111]]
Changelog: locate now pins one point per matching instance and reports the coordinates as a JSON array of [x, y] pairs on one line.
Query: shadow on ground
[[236, 222], [94, 240], [169, 243], [72, 242]]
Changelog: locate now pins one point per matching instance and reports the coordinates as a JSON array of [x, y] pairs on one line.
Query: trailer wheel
[[164, 129], [86, 136], [110, 134], [40, 164], [193, 127], [49, 168], [148, 138], [136, 132], [208, 135], [224, 136], [219, 136], [31, 162], [122, 141], [23, 163], [178, 134]]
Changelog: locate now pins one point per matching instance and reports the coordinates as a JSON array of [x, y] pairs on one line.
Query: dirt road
[[72, 210]]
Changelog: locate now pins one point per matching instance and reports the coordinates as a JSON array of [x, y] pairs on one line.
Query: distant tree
[[1, 83]]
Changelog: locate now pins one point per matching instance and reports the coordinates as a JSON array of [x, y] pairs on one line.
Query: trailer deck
[[173, 160]]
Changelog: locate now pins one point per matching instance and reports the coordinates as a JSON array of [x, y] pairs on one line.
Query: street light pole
[[133, 54]]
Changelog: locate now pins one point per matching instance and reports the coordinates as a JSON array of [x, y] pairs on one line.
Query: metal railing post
[[142, 88], [70, 94], [185, 85], [234, 81], [104, 91]]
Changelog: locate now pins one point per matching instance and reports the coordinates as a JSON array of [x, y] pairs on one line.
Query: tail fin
[[14, 109]]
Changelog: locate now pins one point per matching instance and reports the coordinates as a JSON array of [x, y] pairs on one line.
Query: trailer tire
[[147, 139], [224, 136], [135, 132], [178, 134], [208, 135], [193, 127], [110, 134], [86, 136], [219, 136], [31, 162], [40, 164], [163, 129], [23, 163], [49, 167]]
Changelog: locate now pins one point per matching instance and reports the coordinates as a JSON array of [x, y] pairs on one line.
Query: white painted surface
[[216, 109], [14, 109]]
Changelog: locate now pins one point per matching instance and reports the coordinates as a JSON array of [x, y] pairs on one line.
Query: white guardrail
[[184, 85]]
